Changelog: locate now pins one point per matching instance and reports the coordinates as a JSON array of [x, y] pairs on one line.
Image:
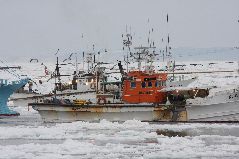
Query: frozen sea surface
[[27, 136]]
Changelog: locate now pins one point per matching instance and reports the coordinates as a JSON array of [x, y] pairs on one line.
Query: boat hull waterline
[[222, 112], [110, 112]]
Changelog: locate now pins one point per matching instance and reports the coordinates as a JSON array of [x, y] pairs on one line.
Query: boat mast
[[127, 43], [57, 75], [151, 50], [89, 61], [76, 64], [170, 62], [83, 67]]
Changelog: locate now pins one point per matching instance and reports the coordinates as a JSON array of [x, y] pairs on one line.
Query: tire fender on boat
[[101, 99]]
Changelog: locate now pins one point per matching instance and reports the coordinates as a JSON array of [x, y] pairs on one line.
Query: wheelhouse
[[141, 87]]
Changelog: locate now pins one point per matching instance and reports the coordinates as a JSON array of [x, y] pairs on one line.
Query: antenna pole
[[126, 44], [83, 61], [76, 63], [127, 60]]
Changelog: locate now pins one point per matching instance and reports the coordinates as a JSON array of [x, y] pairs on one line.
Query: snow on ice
[[130, 139]]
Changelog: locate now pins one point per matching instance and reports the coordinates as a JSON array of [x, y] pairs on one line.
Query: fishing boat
[[141, 98], [145, 96], [73, 89], [140, 95]]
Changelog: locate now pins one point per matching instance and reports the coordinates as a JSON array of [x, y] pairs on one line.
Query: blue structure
[[6, 90]]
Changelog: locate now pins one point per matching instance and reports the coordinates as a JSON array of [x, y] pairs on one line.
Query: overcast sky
[[34, 27]]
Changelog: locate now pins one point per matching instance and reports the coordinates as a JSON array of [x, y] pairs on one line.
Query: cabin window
[[157, 83], [163, 83], [149, 84], [143, 84], [132, 84], [160, 83]]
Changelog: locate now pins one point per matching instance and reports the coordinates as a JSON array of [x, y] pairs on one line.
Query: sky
[[34, 28]]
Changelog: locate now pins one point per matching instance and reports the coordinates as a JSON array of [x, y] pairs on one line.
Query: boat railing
[[3, 81]]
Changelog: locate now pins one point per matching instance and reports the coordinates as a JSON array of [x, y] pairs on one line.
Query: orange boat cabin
[[142, 87]]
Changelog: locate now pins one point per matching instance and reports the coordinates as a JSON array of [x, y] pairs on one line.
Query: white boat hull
[[223, 112], [222, 107], [214, 112], [56, 113]]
